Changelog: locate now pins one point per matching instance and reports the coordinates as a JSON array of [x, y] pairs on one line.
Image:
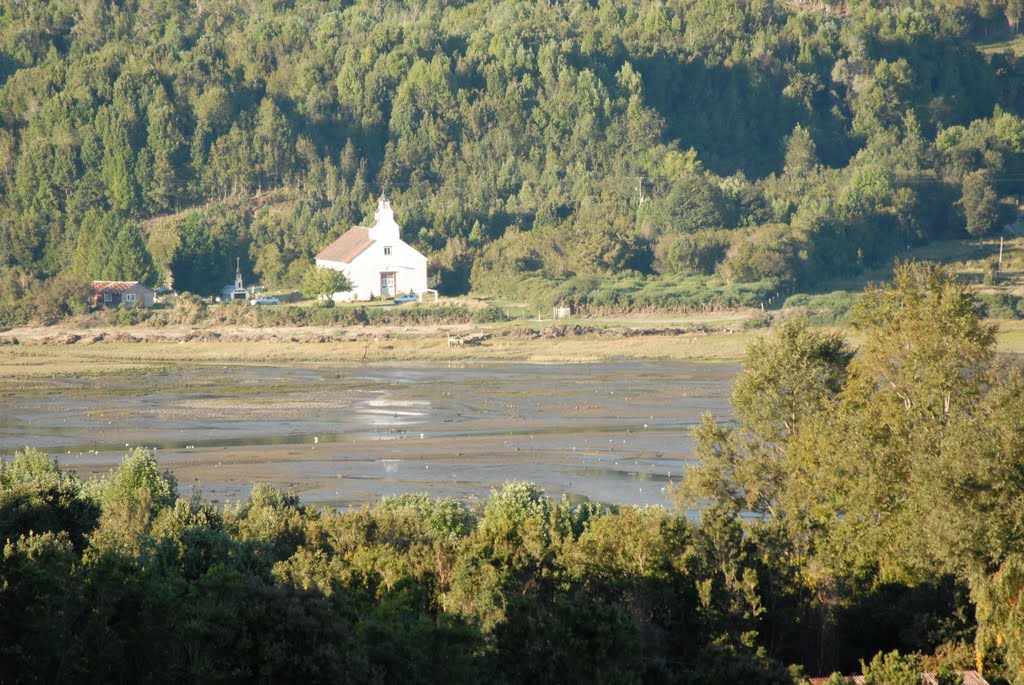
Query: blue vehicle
[[408, 297]]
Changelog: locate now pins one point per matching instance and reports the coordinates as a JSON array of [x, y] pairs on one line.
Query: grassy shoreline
[[27, 360], [37, 355], [89, 349]]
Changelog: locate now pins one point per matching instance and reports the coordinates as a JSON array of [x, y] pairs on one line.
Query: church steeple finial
[[384, 227]]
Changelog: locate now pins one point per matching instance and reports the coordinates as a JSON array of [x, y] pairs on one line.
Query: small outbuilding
[[375, 259], [237, 290], [111, 294]]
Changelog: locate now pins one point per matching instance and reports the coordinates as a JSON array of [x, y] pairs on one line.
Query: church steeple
[[384, 213], [384, 226], [238, 274]]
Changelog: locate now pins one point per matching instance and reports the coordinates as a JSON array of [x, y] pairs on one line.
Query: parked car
[[265, 300], [408, 297]]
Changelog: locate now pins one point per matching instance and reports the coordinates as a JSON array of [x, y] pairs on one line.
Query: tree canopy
[[322, 282], [897, 465], [517, 141]]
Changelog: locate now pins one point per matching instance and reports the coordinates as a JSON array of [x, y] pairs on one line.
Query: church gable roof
[[110, 287], [349, 246]]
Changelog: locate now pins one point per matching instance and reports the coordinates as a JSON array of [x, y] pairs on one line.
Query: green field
[[1013, 45]]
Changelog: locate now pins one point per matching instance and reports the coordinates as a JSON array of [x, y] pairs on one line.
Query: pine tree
[[130, 260], [165, 142], [95, 243], [194, 261], [119, 167]]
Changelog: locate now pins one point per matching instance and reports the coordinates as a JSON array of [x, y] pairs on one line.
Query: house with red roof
[[375, 259], [111, 294]]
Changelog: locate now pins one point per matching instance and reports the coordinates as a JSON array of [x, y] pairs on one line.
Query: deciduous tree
[[979, 203], [321, 282]]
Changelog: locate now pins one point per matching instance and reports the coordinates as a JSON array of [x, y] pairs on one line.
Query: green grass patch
[[1013, 45], [829, 309], [637, 293]]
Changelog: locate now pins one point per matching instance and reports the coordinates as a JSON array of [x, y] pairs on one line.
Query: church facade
[[376, 260]]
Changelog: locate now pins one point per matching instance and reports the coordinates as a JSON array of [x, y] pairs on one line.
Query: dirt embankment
[[71, 335], [570, 330], [227, 334], [76, 345]]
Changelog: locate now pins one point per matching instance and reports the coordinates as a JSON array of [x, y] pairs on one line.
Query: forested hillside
[[660, 146]]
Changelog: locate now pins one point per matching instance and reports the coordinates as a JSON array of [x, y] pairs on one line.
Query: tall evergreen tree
[[166, 143], [97, 237], [194, 263], [130, 260], [119, 165]]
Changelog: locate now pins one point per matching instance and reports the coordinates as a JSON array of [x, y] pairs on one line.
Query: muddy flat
[[344, 434]]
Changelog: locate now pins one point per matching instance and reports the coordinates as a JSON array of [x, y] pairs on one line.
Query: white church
[[375, 259]]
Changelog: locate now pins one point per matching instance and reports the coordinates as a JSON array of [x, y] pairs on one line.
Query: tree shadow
[[736, 116]]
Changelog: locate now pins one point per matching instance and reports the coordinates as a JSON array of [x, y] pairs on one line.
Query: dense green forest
[[657, 148], [860, 505]]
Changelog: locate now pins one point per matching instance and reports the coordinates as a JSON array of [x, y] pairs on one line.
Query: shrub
[[138, 476], [188, 309], [693, 253], [417, 315], [771, 251], [15, 287], [825, 309], [510, 509], [991, 274], [489, 315], [127, 316], [760, 321], [446, 517], [892, 669], [947, 675], [62, 296], [631, 291], [1000, 305]]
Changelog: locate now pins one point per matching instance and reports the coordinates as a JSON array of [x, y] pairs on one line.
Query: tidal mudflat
[[348, 434]]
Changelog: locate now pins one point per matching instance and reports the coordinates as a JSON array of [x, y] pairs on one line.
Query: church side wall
[[408, 265], [411, 269]]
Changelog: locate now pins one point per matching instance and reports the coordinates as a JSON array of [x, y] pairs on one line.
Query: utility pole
[[1000, 253]]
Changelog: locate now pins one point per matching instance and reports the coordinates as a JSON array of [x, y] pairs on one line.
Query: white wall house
[[375, 259]]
